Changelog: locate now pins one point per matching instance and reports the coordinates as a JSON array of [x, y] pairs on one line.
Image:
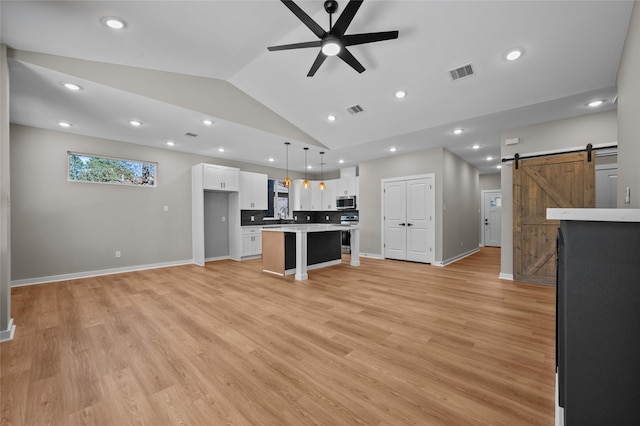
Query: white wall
[[5, 220], [629, 114], [571, 133], [491, 181]]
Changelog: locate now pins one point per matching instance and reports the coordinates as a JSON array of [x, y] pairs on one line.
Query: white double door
[[408, 219]]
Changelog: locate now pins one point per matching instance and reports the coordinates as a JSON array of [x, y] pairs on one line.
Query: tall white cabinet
[[210, 177], [253, 191]]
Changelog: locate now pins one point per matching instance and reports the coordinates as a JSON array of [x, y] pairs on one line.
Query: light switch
[[165, 208], [224, 218]]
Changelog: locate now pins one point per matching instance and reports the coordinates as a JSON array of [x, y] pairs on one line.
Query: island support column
[[301, 256], [355, 246]]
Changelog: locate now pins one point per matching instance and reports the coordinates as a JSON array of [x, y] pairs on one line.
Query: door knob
[[409, 224], [402, 224]]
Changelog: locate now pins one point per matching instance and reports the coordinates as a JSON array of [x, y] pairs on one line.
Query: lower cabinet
[[252, 242]]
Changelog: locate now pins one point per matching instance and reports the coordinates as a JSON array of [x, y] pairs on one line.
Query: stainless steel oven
[[346, 202], [347, 219]]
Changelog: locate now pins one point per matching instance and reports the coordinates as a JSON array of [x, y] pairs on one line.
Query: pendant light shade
[[287, 180], [322, 186], [305, 182]]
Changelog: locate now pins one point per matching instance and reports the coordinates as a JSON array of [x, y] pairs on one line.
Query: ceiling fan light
[[331, 46]]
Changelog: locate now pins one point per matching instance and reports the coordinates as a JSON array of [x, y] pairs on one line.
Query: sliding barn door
[[559, 181]]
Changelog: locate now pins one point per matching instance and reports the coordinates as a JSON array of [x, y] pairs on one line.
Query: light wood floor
[[388, 343]]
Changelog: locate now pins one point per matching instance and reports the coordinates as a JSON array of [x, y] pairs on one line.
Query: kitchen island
[[297, 249]]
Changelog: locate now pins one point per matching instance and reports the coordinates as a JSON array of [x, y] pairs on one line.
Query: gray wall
[[456, 188], [461, 207], [5, 221], [491, 181], [370, 204], [574, 132], [216, 224], [629, 113], [62, 227]]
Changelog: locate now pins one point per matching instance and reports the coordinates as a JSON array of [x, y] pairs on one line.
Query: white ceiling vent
[[355, 109], [461, 72]]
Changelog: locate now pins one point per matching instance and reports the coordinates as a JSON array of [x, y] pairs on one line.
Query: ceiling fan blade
[[306, 19], [346, 56], [353, 39], [316, 64], [316, 43], [346, 17]]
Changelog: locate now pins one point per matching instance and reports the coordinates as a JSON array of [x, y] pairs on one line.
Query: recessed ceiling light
[[597, 103], [171, 143], [393, 149], [221, 149], [113, 23], [331, 117], [476, 146], [513, 54], [135, 123], [457, 131], [64, 124], [401, 94], [341, 161], [489, 158], [207, 122], [271, 159], [499, 166], [71, 86]]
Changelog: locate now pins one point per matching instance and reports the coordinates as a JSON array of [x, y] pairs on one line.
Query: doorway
[[408, 228], [492, 217]]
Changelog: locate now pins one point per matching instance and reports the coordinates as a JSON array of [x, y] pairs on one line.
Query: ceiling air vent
[[461, 72], [355, 109], [193, 135]]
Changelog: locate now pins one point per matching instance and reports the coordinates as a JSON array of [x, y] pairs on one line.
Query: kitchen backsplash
[[300, 217]]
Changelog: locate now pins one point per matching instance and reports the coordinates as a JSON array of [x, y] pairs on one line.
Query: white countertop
[[597, 215], [312, 227]]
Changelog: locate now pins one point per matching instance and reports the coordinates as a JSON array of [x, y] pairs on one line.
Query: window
[[278, 199], [90, 168]]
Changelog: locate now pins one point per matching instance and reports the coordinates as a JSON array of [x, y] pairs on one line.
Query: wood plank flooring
[[386, 343]]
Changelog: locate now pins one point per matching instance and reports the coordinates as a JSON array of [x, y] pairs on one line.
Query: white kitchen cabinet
[[329, 195], [251, 242], [347, 186], [220, 178], [253, 191], [301, 197], [316, 196]]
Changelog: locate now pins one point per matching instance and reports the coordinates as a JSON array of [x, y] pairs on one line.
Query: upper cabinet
[[347, 186], [313, 199], [329, 195], [253, 191], [220, 178]]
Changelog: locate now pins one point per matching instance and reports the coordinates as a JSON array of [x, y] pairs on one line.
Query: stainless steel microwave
[[346, 202]]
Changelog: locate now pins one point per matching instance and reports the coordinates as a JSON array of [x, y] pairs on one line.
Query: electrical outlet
[[253, 218], [118, 254], [326, 218], [627, 195], [308, 217], [295, 218]]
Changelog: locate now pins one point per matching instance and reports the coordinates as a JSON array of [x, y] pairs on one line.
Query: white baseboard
[[371, 255], [6, 335], [88, 274], [213, 259], [456, 258], [504, 276]]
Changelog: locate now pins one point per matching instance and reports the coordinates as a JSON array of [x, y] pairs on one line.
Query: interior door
[[418, 218], [395, 214], [607, 186], [559, 181], [492, 218]]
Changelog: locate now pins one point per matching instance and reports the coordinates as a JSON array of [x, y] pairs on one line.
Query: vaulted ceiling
[[178, 62]]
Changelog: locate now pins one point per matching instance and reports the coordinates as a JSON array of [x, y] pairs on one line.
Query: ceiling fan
[[334, 42]]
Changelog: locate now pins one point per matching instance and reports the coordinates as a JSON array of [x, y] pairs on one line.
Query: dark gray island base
[[288, 250]]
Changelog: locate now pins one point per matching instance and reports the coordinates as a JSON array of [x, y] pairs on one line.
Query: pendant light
[[287, 180], [322, 186], [305, 182]]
